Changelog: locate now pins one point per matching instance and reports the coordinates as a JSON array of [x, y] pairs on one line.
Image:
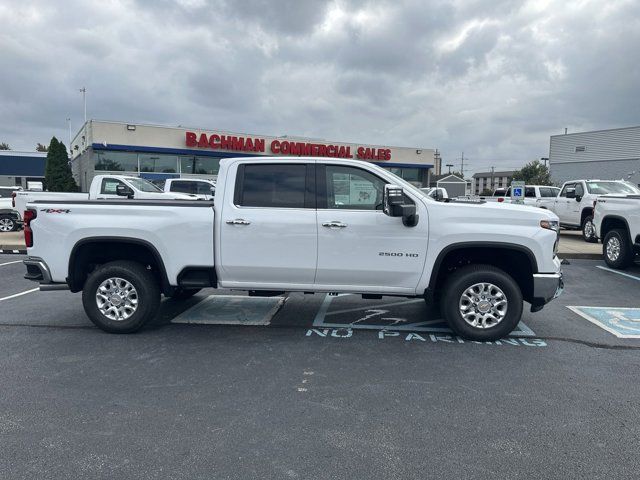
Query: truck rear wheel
[[481, 302], [617, 249], [589, 230], [121, 296]]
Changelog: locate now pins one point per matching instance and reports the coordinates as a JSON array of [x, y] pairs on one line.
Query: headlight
[[550, 225]]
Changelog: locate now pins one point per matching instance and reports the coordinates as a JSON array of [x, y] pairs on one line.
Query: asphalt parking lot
[[320, 386]]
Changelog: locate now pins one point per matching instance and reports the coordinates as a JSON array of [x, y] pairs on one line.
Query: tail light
[[28, 233], [13, 199], [501, 199]]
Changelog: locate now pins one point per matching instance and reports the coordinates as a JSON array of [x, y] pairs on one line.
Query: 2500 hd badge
[[398, 254]]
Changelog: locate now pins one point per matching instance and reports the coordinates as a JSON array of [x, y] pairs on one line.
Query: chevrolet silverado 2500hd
[[299, 224]]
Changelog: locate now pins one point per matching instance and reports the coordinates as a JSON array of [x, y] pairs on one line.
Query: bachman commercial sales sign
[[284, 147]]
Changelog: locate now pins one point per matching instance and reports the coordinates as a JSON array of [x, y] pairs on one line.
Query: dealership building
[[158, 152], [19, 168], [603, 154]]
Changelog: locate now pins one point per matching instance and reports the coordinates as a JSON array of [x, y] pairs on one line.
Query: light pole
[[69, 125], [545, 160], [83, 90], [449, 165]]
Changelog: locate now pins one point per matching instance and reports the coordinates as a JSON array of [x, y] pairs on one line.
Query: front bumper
[[546, 287]]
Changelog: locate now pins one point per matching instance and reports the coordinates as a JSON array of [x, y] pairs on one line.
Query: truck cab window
[[273, 185], [183, 187], [530, 192], [353, 189], [109, 185]]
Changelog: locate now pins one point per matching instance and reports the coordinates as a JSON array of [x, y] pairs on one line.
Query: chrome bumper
[[546, 287]]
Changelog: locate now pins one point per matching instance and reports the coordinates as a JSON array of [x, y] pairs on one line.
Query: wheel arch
[[516, 260], [586, 211], [92, 251], [611, 222]]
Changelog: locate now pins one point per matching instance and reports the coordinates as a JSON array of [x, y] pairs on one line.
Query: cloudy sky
[[492, 78]]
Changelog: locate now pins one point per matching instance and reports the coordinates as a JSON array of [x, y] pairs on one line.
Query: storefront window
[[116, 161], [408, 174], [157, 163], [206, 165], [186, 164]]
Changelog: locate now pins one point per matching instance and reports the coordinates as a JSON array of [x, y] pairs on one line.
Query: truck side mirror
[[393, 205], [124, 191], [571, 193], [438, 195]]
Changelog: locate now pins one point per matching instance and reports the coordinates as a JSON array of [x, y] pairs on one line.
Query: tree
[[534, 173], [41, 148], [486, 193], [57, 173], [4, 146]]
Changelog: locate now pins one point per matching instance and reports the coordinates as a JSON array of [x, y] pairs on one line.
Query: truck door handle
[[238, 221], [334, 224]]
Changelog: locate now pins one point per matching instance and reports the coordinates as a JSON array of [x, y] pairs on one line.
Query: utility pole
[[449, 165], [462, 164], [83, 90], [69, 125]]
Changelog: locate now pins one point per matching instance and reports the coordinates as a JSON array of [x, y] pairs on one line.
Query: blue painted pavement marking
[[622, 322], [382, 317], [618, 272]]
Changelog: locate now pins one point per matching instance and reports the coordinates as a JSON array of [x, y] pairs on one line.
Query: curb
[[580, 256], [10, 250]]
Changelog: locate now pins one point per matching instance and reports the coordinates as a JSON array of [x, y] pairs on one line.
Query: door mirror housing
[[571, 193], [393, 205], [124, 191], [438, 195]]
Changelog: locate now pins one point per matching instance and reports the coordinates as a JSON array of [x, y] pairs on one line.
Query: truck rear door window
[[272, 186], [183, 187]]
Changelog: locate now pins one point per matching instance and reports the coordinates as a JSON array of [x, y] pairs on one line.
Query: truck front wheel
[[589, 230], [121, 296], [617, 249], [481, 302]]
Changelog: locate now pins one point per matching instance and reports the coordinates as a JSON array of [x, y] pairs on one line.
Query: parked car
[[10, 219], [616, 219], [203, 189], [574, 203], [299, 224], [103, 187], [534, 195]]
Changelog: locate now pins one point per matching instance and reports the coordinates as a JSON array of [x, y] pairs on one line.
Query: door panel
[[358, 245], [269, 231]]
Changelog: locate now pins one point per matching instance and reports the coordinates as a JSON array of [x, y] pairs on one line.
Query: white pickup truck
[[616, 219], [103, 187], [201, 188], [534, 195], [574, 203], [299, 224]]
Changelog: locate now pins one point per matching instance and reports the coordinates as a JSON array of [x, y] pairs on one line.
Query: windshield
[[143, 185], [603, 188]]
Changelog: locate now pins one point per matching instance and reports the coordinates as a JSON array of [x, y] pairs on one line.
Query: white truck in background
[[574, 204], [616, 220], [103, 187], [299, 224], [201, 188], [534, 195]]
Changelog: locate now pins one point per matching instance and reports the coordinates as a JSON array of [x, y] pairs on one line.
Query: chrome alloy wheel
[[483, 305], [6, 224], [117, 299], [589, 230], [613, 248]]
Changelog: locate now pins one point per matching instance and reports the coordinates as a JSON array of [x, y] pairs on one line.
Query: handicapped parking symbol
[[517, 192], [622, 322]]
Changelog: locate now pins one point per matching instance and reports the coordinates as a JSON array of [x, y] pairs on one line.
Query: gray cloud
[[494, 79]]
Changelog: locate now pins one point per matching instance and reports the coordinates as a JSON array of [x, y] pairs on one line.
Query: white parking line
[[19, 294], [9, 263], [616, 271]]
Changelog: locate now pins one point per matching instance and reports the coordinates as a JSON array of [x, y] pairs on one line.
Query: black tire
[[589, 230], [621, 257], [184, 293], [7, 224], [147, 296], [468, 276]]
